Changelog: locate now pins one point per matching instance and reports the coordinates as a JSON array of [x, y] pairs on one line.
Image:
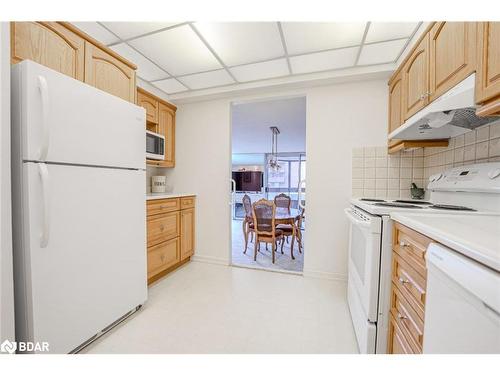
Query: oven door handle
[[353, 219]]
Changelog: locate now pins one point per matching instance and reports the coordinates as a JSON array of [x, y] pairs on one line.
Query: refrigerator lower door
[[84, 251], [59, 119]]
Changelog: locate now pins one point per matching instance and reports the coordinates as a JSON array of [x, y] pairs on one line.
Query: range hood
[[450, 115]]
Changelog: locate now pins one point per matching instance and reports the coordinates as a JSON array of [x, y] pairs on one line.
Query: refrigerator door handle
[[44, 175], [44, 93]]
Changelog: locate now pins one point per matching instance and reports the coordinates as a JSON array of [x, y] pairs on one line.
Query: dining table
[[284, 215]]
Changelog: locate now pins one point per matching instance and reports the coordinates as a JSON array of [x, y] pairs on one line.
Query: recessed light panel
[[320, 61], [263, 70]]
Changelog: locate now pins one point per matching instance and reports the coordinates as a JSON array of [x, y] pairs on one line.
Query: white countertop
[[475, 236], [151, 196]]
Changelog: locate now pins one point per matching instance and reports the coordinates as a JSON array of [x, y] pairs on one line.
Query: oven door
[[364, 258]]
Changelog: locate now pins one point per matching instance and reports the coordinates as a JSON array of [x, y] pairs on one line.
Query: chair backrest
[[247, 205], [282, 200], [263, 217]]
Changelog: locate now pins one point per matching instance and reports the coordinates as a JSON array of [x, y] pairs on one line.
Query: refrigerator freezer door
[[90, 268], [63, 120]]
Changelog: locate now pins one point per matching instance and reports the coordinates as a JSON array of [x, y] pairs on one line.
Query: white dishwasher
[[462, 304]]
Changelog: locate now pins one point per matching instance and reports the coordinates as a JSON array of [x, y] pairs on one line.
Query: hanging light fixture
[[273, 159]]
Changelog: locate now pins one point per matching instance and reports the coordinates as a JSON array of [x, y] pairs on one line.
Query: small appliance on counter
[[158, 184]]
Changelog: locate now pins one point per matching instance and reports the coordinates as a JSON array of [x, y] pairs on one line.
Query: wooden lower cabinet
[[170, 234], [187, 233], [409, 280]]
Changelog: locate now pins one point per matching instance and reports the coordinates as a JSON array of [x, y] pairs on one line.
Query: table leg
[[293, 238]]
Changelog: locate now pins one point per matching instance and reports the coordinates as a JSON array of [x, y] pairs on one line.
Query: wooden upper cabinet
[[488, 72], [415, 79], [49, 44], [452, 52], [395, 103], [109, 74], [166, 126], [149, 104]]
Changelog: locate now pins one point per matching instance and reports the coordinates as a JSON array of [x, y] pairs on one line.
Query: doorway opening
[[269, 166]]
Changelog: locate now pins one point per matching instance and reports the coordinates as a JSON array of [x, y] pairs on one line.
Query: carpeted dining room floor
[[283, 262]]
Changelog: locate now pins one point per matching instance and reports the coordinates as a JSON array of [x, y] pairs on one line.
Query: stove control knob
[[494, 173]]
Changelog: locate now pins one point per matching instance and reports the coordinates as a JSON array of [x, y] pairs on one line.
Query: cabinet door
[[162, 256], [395, 103], [416, 79], [49, 44], [150, 105], [108, 73], [166, 126], [452, 55], [488, 72], [187, 233]]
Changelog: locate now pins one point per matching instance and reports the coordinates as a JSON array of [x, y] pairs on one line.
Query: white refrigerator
[[78, 170]]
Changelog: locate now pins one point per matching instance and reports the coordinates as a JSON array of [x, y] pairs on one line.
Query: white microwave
[[155, 146]]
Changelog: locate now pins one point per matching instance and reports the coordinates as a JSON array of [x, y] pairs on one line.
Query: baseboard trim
[[209, 259], [325, 275]]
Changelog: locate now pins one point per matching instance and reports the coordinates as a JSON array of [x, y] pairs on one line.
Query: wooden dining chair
[[264, 212], [248, 227], [283, 200]]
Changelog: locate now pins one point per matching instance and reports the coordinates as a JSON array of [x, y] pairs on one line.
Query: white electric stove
[[466, 190]]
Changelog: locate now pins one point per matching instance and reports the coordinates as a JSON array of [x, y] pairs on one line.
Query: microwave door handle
[[353, 219]]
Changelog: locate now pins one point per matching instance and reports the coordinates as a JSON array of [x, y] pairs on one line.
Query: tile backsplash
[[477, 146], [375, 174]]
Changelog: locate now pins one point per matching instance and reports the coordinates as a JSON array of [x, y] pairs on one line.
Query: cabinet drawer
[[160, 206], [411, 284], [163, 256], [406, 316], [411, 246], [163, 227], [187, 202], [398, 343]]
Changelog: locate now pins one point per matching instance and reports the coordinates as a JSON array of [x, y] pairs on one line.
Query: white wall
[[339, 117], [6, 281]]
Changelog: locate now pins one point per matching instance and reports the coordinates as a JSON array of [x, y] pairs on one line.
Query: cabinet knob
[[403, 244], [162, 227], [403, 281], [162, 207], [401, 317], [162, 258]]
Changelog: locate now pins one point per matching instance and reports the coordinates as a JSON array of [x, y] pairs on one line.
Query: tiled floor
[[204, 308], [264, 258]]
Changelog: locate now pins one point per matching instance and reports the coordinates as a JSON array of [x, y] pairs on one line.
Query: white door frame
[[230, 218]]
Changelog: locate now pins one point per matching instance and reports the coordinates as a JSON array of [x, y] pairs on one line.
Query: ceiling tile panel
[[179, 51], [97, 32], [170, 85], [243, 42], [381, 31], [303, 37], [263, 70], [328, 60], [207, 79], [127, 30], [145, 68], [379, 53]]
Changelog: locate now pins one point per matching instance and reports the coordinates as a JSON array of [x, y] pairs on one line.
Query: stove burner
[[451, 207], [411, 202], [372, 200], [400, 205]]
